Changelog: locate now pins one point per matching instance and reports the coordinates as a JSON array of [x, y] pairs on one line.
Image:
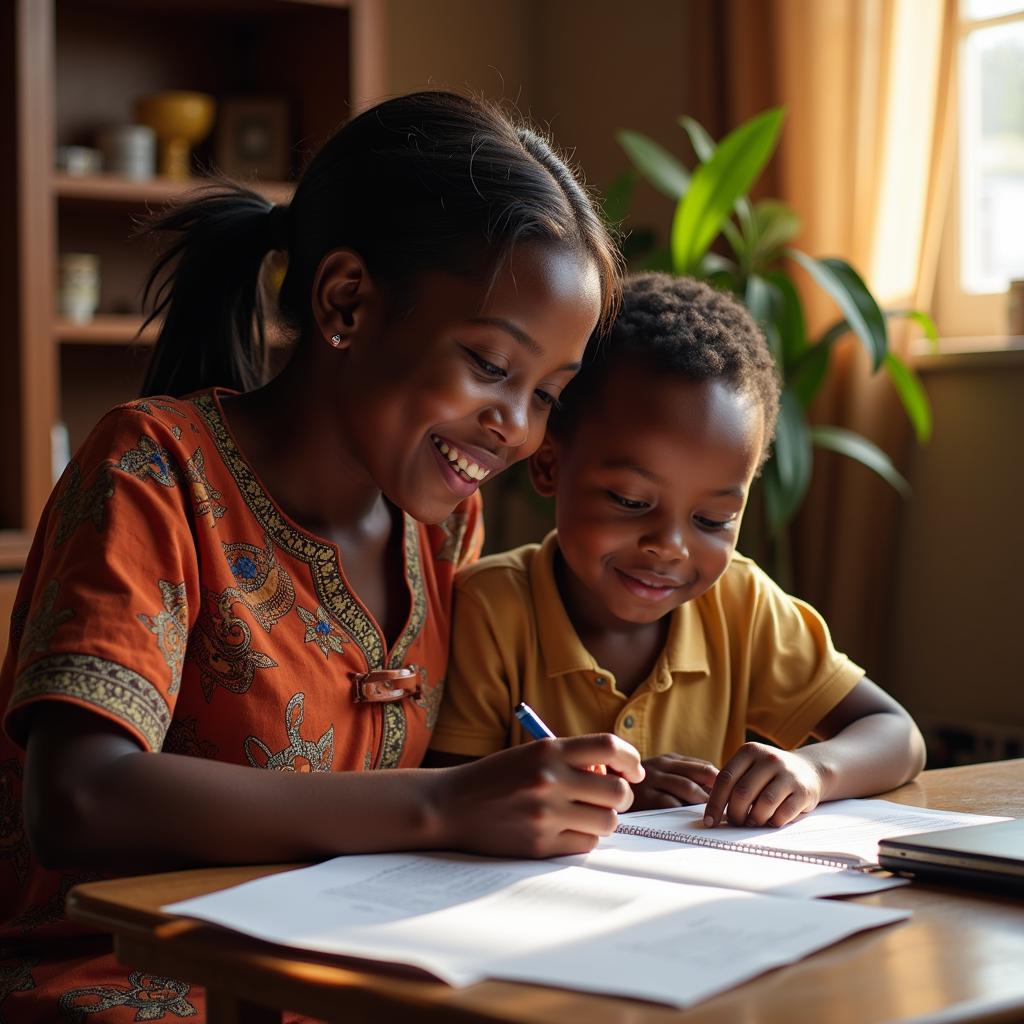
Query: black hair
[[677, 325], [428, 181]]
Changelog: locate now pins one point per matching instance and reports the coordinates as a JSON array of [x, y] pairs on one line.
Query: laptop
[[984, 856]]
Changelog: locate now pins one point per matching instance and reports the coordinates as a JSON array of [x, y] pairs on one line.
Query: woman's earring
[[336, 340]]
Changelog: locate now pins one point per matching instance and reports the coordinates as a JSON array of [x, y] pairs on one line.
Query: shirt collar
[[563, 651]]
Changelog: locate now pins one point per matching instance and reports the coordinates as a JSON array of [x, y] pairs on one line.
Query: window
[[982, 247], [991, 146]]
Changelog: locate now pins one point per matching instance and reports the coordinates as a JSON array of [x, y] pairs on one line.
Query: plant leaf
[[923, 320], [809, 372], [790, 319], [851, 295], [655, 163], [703, 144], [618, 197], [761, 300], [867, 453], [704, 147], [912, 395], [777, 223], [716, 185], [791, 456]]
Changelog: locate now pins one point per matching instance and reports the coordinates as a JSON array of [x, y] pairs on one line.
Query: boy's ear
[[343, 296], [543, 467]]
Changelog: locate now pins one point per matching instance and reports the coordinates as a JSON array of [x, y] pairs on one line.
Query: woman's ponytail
[[205, 288]]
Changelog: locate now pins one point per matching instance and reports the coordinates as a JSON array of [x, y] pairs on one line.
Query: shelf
[[14, 545], [104, 329], [109, 188], [122, 329]]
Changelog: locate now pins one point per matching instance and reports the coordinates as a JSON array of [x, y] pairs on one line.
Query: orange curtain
[[865, 160]]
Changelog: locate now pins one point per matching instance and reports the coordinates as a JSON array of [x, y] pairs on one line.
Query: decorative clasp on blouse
[[386, 684]]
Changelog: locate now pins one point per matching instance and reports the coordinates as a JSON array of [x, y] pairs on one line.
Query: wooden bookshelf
[[124, 328], [69, 69], [111, 189]]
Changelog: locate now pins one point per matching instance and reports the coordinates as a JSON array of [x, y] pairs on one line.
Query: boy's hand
[[762, 785], [673, 780], [538, 799]]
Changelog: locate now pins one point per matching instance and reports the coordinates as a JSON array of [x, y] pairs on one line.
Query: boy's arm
[[869, 744]]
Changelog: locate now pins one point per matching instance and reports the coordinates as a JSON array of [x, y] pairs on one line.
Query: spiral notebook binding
[[831, 860]]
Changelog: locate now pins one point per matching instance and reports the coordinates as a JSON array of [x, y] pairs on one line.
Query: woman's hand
[[673, 780], [762, 785], [539, 799]]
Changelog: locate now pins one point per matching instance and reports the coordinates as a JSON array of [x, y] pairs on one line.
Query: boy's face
[[650, 483]]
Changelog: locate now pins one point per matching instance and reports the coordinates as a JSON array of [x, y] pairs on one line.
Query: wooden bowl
[[180, 120]]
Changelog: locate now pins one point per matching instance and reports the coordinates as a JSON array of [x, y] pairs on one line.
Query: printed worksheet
[[463, 919]]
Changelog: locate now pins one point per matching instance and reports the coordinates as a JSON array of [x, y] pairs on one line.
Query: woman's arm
[[94, 799], [869, 744]]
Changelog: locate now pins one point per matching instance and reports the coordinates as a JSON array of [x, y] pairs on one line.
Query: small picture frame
[[252, 139]]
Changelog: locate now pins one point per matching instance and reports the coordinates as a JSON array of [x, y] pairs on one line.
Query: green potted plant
[[753, 260]]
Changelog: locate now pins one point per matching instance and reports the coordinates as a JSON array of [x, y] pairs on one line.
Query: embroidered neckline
[[321, 556]]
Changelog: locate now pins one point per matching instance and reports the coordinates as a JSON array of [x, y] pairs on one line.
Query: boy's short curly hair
[[682, 326]]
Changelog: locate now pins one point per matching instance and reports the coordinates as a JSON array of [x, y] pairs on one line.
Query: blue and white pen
[[531, 723]]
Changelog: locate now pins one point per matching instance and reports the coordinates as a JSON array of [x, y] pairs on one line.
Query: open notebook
[[830, 852], [615, 930]]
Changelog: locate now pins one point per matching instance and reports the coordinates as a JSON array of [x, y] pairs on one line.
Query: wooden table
[[959, 958]]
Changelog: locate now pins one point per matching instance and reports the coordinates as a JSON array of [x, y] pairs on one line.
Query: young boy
[[637, 616]]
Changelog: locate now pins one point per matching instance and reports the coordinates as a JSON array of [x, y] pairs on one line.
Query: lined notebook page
[[851, 827]]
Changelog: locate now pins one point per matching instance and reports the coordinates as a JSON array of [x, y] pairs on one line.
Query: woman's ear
[[543, 466], [343, 294]]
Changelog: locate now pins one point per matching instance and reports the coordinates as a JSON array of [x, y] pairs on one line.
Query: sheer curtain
[[865, 159]]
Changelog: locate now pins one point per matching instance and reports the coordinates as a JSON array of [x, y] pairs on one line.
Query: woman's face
[[460, 387]]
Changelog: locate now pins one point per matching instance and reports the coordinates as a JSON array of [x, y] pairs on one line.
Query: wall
[[582, 68], [954, 658]]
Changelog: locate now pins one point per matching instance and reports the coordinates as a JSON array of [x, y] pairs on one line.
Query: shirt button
[[628, 721]]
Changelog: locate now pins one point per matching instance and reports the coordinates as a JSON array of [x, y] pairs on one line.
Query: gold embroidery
[[40, 914], [394, 724], [153, 997], [148, 405], [263, 584], [221, 647], [41, 627], [79, 503], [320, 557], [170, 627], [454, 529], [18, 619], [430, 699], [183, 738], [330, 588], [147, 460], [300, 755], [17, 976], [104, 684], [204, 493], [319, 631]]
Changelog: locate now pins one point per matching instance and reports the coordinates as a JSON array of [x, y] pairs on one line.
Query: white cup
[[78, 291], [129, 150]]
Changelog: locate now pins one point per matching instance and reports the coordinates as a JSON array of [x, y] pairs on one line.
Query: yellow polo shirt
[[743, 655]]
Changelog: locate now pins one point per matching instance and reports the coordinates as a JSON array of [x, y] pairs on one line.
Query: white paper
[[464, 918], [846, 827], [850, 827], [676, 862]]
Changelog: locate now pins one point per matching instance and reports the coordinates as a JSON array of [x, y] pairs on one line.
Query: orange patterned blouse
[[167, 592]]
